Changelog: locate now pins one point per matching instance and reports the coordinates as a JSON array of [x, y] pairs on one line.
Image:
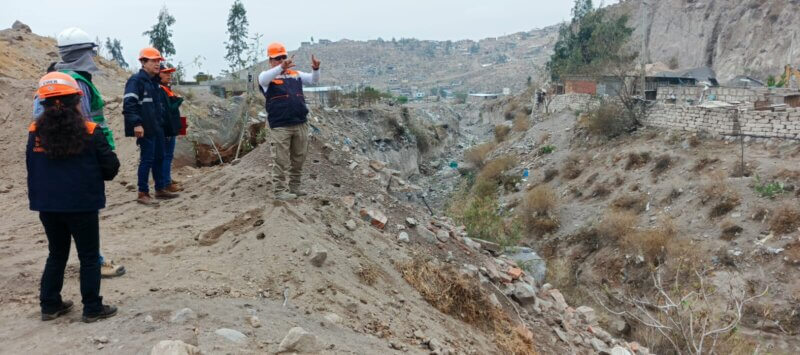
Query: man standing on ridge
[[77, 51], [145, 112], [287, 116]]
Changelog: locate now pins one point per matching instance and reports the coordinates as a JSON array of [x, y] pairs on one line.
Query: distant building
[[320, 95], [324, 41]]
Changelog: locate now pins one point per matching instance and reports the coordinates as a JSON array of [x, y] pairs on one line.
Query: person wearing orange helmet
[[144, 108], [63, 147], [173, 125], [287, 116]]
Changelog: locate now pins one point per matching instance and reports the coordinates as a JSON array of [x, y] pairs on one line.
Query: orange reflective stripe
[[32, 127], [277, 82]]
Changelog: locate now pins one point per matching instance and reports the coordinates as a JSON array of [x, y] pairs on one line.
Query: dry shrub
[[600, 191], [785, 220], [572, 167], [521, 123], [672, 196], [549, 174], [608, 120], [368, 274], [761, 214], [721, 194], [663, 163], [730, 230], [477, 154], [737, 170], [538, 210], [788, 175], [618, 224], [541, 200], [495, 168], [653, 243], [702, 163], [694, 141], [463, 297], [637, 160], [501, 132], [636, 203]]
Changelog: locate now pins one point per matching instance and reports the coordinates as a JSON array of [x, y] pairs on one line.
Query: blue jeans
[[151, 158], [169, 153]]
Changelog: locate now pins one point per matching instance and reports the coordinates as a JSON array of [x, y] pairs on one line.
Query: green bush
[[546, 149], [768, 190]]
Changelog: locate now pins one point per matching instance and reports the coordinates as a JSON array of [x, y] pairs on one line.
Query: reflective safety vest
[[96, 105], [285, 103]]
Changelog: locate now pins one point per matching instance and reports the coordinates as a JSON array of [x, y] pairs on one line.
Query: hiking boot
[[165, 195], [66, 306], [173, 181], [109, 269], [145, 199], [174, 187], [283, 196], [106, 312]]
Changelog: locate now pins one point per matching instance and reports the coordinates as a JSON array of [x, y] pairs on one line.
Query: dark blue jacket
[[286, 105], [73, 184], [144, 104], [172, 126]]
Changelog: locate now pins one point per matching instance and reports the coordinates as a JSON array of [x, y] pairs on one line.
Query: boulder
[[299, 340], [174, 347]]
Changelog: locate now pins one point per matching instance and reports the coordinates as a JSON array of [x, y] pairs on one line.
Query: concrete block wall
[[721, 121], [685, 94], [574, 102]]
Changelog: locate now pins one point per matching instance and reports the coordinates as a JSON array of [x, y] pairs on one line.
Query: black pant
[[84, 227]]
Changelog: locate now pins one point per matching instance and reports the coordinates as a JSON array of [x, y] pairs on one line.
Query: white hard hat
[[72, 36]]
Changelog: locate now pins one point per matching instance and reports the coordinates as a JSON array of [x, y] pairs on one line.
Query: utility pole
[[643, 55]]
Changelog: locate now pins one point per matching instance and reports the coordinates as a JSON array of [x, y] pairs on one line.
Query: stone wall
[[572, 102], [721, 121], [691, 94]]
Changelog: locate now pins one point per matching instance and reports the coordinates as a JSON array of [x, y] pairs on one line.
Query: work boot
[[145, 199], [173, 181], [165, 195], [285, 195], [66, 306], [106, 312], [174, 187], [109, 269]]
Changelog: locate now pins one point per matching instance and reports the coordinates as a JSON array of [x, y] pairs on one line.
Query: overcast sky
[[200, 28]]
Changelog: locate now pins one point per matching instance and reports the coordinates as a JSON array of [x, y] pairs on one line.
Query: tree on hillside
[[161, 35], [237, 36], [590, 43], [114, 48]]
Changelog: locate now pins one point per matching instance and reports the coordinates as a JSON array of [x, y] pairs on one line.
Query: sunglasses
[[282, 57]]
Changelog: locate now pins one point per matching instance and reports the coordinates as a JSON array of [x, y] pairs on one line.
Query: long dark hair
[[61, 128]]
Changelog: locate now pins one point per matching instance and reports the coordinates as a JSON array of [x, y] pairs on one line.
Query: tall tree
[[114, 48], [237, 36], [581, 9], [161, 35]]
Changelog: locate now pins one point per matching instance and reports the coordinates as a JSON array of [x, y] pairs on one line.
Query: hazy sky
[[201, 29]]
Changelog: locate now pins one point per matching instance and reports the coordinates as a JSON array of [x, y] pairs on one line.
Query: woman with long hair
[[68, 159]]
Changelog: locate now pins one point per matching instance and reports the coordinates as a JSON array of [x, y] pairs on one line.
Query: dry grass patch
[[544, 138], [477, 154], [637, 160], [495, 168], [572, 167], [463, 297], [737, 170], [636, 203], [600, 191], [618, 224], [521, 123], [368, 274], [785, 220], [730, 230], [549, 174], [654, 243], [538, 209], [663, 163], [722, 196], [703, 163], [673, 195], [501, 132]]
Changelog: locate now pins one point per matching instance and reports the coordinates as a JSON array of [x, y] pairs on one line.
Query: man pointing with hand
[[287, 116]]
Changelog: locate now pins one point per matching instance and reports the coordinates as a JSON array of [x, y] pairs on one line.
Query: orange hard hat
[[276, 49], [150, 53], [57, 84]]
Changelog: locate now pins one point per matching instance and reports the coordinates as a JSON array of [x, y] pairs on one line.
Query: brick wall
[[721, 121], [580, 87]]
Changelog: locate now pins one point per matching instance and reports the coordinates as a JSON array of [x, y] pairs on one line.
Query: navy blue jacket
[[73, 184], [286, 105], [144, 104]]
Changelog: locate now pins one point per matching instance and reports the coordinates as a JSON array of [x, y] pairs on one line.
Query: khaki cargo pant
[[289, 146]]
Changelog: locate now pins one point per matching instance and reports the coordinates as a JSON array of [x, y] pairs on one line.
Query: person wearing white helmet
[[77, 51]]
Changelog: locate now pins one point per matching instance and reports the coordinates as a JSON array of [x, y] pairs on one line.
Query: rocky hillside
[[412, 65], [735, 37]]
